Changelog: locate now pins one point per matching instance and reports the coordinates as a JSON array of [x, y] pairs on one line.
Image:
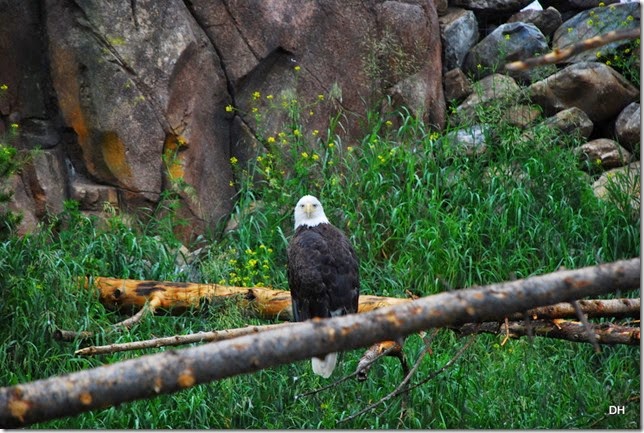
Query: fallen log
[[175, 370], [266, 302], [275, 304], [604, 333]]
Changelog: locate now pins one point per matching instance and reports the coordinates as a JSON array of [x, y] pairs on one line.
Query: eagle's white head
[[309, 212]]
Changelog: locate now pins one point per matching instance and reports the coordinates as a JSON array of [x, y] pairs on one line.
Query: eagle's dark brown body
[[323, 273]]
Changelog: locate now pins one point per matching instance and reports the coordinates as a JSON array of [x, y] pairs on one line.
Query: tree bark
[[174, 370]]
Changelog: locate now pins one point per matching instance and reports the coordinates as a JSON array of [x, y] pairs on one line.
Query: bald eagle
[[323, 272]]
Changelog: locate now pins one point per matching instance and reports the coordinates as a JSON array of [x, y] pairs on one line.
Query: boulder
[[470, 141], [621, 186], [594, 22], [491, 89], [457, 86], [597, 89], [571, 121], [508, 42], [628, 126], [459, 33], [603, 153], [547, 20]]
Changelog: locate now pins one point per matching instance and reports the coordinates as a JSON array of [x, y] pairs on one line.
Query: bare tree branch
[[175, 370], [561, 54], [178, 340], [604, 333]]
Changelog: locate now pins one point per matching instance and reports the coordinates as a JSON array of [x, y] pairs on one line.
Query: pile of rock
[[585, 95]]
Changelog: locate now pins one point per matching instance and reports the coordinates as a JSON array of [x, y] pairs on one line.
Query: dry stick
[[606, 333], [447, 365], [175, 370], [589, 330], [345, 378], [402, 387], [148, 308], [561, 54], [178, 340]]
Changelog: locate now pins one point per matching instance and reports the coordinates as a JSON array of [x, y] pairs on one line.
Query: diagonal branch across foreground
[[174, 370]]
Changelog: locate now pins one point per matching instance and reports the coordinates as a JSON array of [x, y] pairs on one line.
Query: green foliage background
[[424, 216]]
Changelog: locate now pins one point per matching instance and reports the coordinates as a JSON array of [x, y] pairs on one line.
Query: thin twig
[[584, 320], [148, 308], [395, 392], [342, 379]]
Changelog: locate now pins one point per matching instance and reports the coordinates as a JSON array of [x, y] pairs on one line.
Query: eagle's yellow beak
[[309, 209]]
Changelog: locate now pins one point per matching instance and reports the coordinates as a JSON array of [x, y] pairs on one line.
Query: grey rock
[[594, 22], [469, 141], [459, 33], [628, 126], [491, 89], [506, 43], [38, 133]]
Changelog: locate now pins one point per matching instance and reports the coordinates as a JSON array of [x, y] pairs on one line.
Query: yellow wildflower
[[297, 68], [234, 160], [331, 145], [315, 132], [229, 108], [305, 155], [296, 132], [269, 97], [4, 87], [15, 125], [320, 97], [389, 123], [270, 139], [315, 157], [256, 95]]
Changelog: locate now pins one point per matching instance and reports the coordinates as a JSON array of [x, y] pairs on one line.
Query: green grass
[[423, 217]]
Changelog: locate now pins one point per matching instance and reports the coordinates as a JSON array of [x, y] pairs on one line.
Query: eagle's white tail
[[326, 366]]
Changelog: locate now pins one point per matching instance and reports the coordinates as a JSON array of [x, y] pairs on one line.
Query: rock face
[[138, 83], [135, 92], [130, 99]]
